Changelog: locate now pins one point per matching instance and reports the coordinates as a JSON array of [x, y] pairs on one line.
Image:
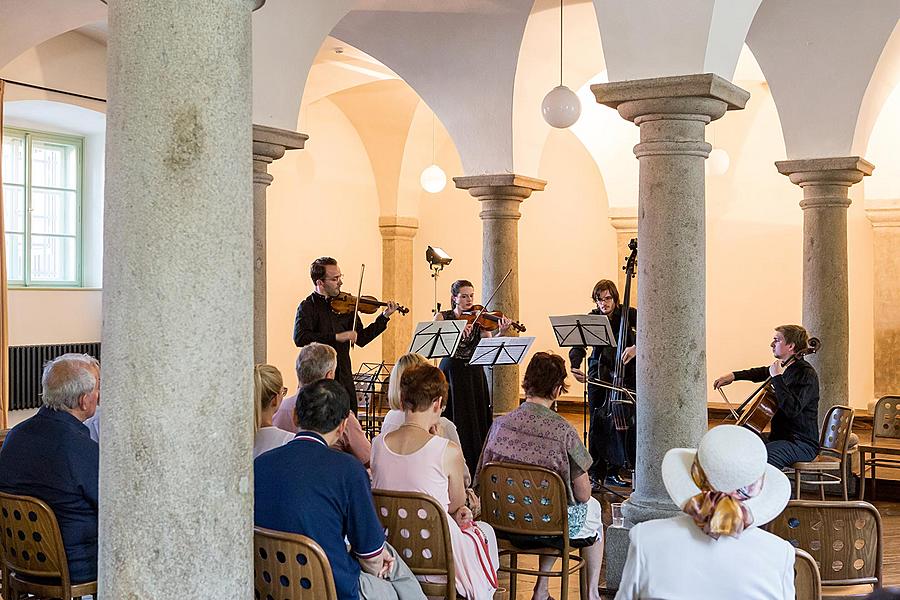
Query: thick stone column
[[500, 196], [672, 113], [397, 235], [269, 144], [625, 221], [176, 501], [885, 218], [826, 185]]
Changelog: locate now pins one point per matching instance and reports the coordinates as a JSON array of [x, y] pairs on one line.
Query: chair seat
[[846, 591], [533, 542], [52, 590], [822, 463]]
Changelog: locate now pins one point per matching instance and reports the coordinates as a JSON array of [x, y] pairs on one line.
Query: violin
[[757, 411], [488, 320], [345, 303]]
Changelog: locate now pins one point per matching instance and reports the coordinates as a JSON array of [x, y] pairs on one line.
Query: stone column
[[826, 185], [625, 221], [176, 501], [269, 144], [885, 218], [672, 113], [397, 235], [500, 196]]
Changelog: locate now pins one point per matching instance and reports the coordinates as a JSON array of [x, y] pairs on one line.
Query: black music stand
[[584, 331], [370, 382], [437, 339], [493, 351]]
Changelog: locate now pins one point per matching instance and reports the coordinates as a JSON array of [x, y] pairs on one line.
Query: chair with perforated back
[[885, 428], [807, 581], [290, 566], [831, 466], [32, 551], [416, 526], [844, 538], [528, 509]]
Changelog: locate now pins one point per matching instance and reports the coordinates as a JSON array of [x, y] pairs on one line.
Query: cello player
[[794, 434]]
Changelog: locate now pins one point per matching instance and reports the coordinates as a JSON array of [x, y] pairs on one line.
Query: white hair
[[67, 378]]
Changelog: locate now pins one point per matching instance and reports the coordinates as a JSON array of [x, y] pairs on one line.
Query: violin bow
[[494, 293], [362, 272], [730, 405]]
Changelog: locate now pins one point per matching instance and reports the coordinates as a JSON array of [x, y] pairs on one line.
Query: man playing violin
[[794, 431], [606, 445], [316, 322]]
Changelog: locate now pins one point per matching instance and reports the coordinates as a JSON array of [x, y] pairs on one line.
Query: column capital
[[624, 219], [394, 227], [701, 94], [270, 144], [500, 194], [884, 213], [826, 181]]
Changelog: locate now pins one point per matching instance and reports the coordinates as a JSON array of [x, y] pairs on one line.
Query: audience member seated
[[716, 549], [395, 416], [413, 459], [314, 362], [268, 394], [93, 425], [52, 457], [308, 488], [533, 434]]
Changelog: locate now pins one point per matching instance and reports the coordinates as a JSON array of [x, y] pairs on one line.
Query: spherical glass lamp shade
[[561, 107], [433, 179], [718, 162]]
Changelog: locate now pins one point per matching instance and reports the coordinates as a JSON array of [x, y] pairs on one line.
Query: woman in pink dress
[[413, 459]]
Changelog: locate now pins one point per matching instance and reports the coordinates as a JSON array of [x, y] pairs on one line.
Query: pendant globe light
[[718, 162], [433, 179], [561, 106]]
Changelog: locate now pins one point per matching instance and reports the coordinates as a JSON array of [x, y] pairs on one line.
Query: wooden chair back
[[886, 421], [844, 538], [32, 545], [416, 526], [524, 500], [807, 581], [289, 565], [836, 430]]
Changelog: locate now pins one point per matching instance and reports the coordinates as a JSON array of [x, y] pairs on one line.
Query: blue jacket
[[51, 456]]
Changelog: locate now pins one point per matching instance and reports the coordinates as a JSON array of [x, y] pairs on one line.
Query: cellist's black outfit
[[316, 322], [794, 435], [608, 447]]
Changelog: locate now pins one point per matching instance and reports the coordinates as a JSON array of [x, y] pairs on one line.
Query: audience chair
[[32, 550], [290, 566], [885, 432], [807, 581], [416, 526], [844, 538], [831, 466], [528, 509]]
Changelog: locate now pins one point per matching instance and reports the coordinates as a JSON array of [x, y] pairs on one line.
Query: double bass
[[757, 410], [617, 398]]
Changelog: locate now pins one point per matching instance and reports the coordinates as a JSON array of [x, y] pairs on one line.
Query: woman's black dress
[[468, 404]]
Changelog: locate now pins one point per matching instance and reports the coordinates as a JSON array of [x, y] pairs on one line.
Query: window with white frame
[[42, 207]]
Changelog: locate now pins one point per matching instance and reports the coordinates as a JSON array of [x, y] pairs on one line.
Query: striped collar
[[310, 436]]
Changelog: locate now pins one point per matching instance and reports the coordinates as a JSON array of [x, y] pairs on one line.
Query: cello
[[617, 396], [757, 410]]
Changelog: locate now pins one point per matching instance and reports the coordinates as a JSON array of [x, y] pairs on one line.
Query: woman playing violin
[[468, 402]]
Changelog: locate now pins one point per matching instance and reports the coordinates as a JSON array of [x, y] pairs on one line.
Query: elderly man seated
[[51, 456], [319, 361], [306, 487]]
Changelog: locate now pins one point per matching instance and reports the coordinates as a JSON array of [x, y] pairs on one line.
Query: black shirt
[[797, 393], [316, 322], [602, 363]]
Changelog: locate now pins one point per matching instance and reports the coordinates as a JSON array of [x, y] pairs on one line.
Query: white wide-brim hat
[[732, 457]]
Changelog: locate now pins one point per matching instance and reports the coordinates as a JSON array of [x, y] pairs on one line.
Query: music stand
[[437, 339], [494, 351], [584, 331]]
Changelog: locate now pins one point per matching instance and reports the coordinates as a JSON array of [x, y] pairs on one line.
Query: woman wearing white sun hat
[[715, 549]]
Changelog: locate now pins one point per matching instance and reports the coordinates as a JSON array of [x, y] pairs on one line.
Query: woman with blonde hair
[[268, 392]]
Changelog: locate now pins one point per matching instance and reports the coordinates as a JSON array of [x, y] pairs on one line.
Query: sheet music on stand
[[437, 339], [494, 351], [583, 330]]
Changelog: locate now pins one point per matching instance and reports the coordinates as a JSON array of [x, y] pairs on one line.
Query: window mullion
[[27, 266]]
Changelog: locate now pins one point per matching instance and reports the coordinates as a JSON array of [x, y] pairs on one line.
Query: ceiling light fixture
[[561, 106], [433, 179]]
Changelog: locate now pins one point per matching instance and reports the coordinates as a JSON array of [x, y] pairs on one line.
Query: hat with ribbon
[[726, 485]]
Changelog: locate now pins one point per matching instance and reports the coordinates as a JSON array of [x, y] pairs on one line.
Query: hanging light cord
[[432, 138], [560, 42]]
